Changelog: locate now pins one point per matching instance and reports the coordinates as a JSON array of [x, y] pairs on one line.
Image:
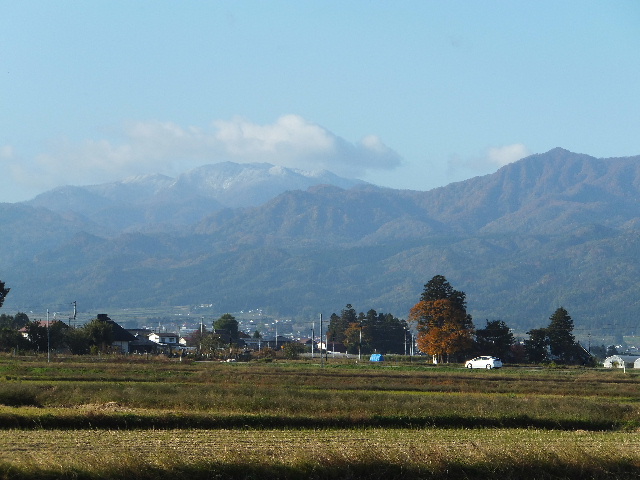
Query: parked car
[[484, 362]]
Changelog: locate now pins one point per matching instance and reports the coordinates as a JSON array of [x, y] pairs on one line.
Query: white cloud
[[165, 147], [501, 156], [492, 159], [291, 139], [6, 152], [19, 181]]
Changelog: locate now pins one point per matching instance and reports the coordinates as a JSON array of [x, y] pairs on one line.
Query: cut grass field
[[327, 453], [119, 418]]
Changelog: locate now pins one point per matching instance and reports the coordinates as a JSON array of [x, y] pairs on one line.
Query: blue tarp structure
[[376, 357]]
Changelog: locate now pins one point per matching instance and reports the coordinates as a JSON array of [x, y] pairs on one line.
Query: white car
[[484, 362]]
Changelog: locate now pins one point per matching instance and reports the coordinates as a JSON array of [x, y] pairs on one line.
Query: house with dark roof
[[121, 338], [142, 344]]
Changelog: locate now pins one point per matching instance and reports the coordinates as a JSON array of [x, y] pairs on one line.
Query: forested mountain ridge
[[551, 192], [323, 214], [554, 229]]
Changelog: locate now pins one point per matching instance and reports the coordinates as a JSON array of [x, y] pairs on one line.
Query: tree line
[[18, 332], [442, 327], [368, 332], [446, 331]]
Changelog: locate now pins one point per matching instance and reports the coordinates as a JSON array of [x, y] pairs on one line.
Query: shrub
[[266, 353], [18, 395], [292, 350]]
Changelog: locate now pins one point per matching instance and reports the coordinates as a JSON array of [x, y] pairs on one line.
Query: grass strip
[[72, 419]]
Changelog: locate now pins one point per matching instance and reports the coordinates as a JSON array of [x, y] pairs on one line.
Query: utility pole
[[405, 341], [313, 337], [413, 343], [201, 334], [75, 313], [321, 357], [48, 339]]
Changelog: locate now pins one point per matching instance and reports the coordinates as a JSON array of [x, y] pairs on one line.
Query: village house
[[142, 344], [166, 342], [121, 337], [41, 323], [166, 339]]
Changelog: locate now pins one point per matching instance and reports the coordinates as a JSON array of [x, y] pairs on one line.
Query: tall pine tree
[[3, 292], [562, 343], [444, 327]]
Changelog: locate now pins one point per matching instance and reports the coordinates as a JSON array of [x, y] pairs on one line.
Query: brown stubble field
[[121, 417]]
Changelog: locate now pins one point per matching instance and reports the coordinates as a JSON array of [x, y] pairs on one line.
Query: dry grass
[[314, 453], [156, 420]]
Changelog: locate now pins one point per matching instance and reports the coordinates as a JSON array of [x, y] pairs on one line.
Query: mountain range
[[159, 202], [553, 229]]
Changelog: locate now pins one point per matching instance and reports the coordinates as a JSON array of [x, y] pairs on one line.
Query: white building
[[621, 361], [169, 339]]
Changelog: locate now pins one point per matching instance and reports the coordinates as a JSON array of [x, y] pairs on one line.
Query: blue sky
[[406, 94]]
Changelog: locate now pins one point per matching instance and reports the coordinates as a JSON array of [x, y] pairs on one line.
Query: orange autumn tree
[[444, 327]]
